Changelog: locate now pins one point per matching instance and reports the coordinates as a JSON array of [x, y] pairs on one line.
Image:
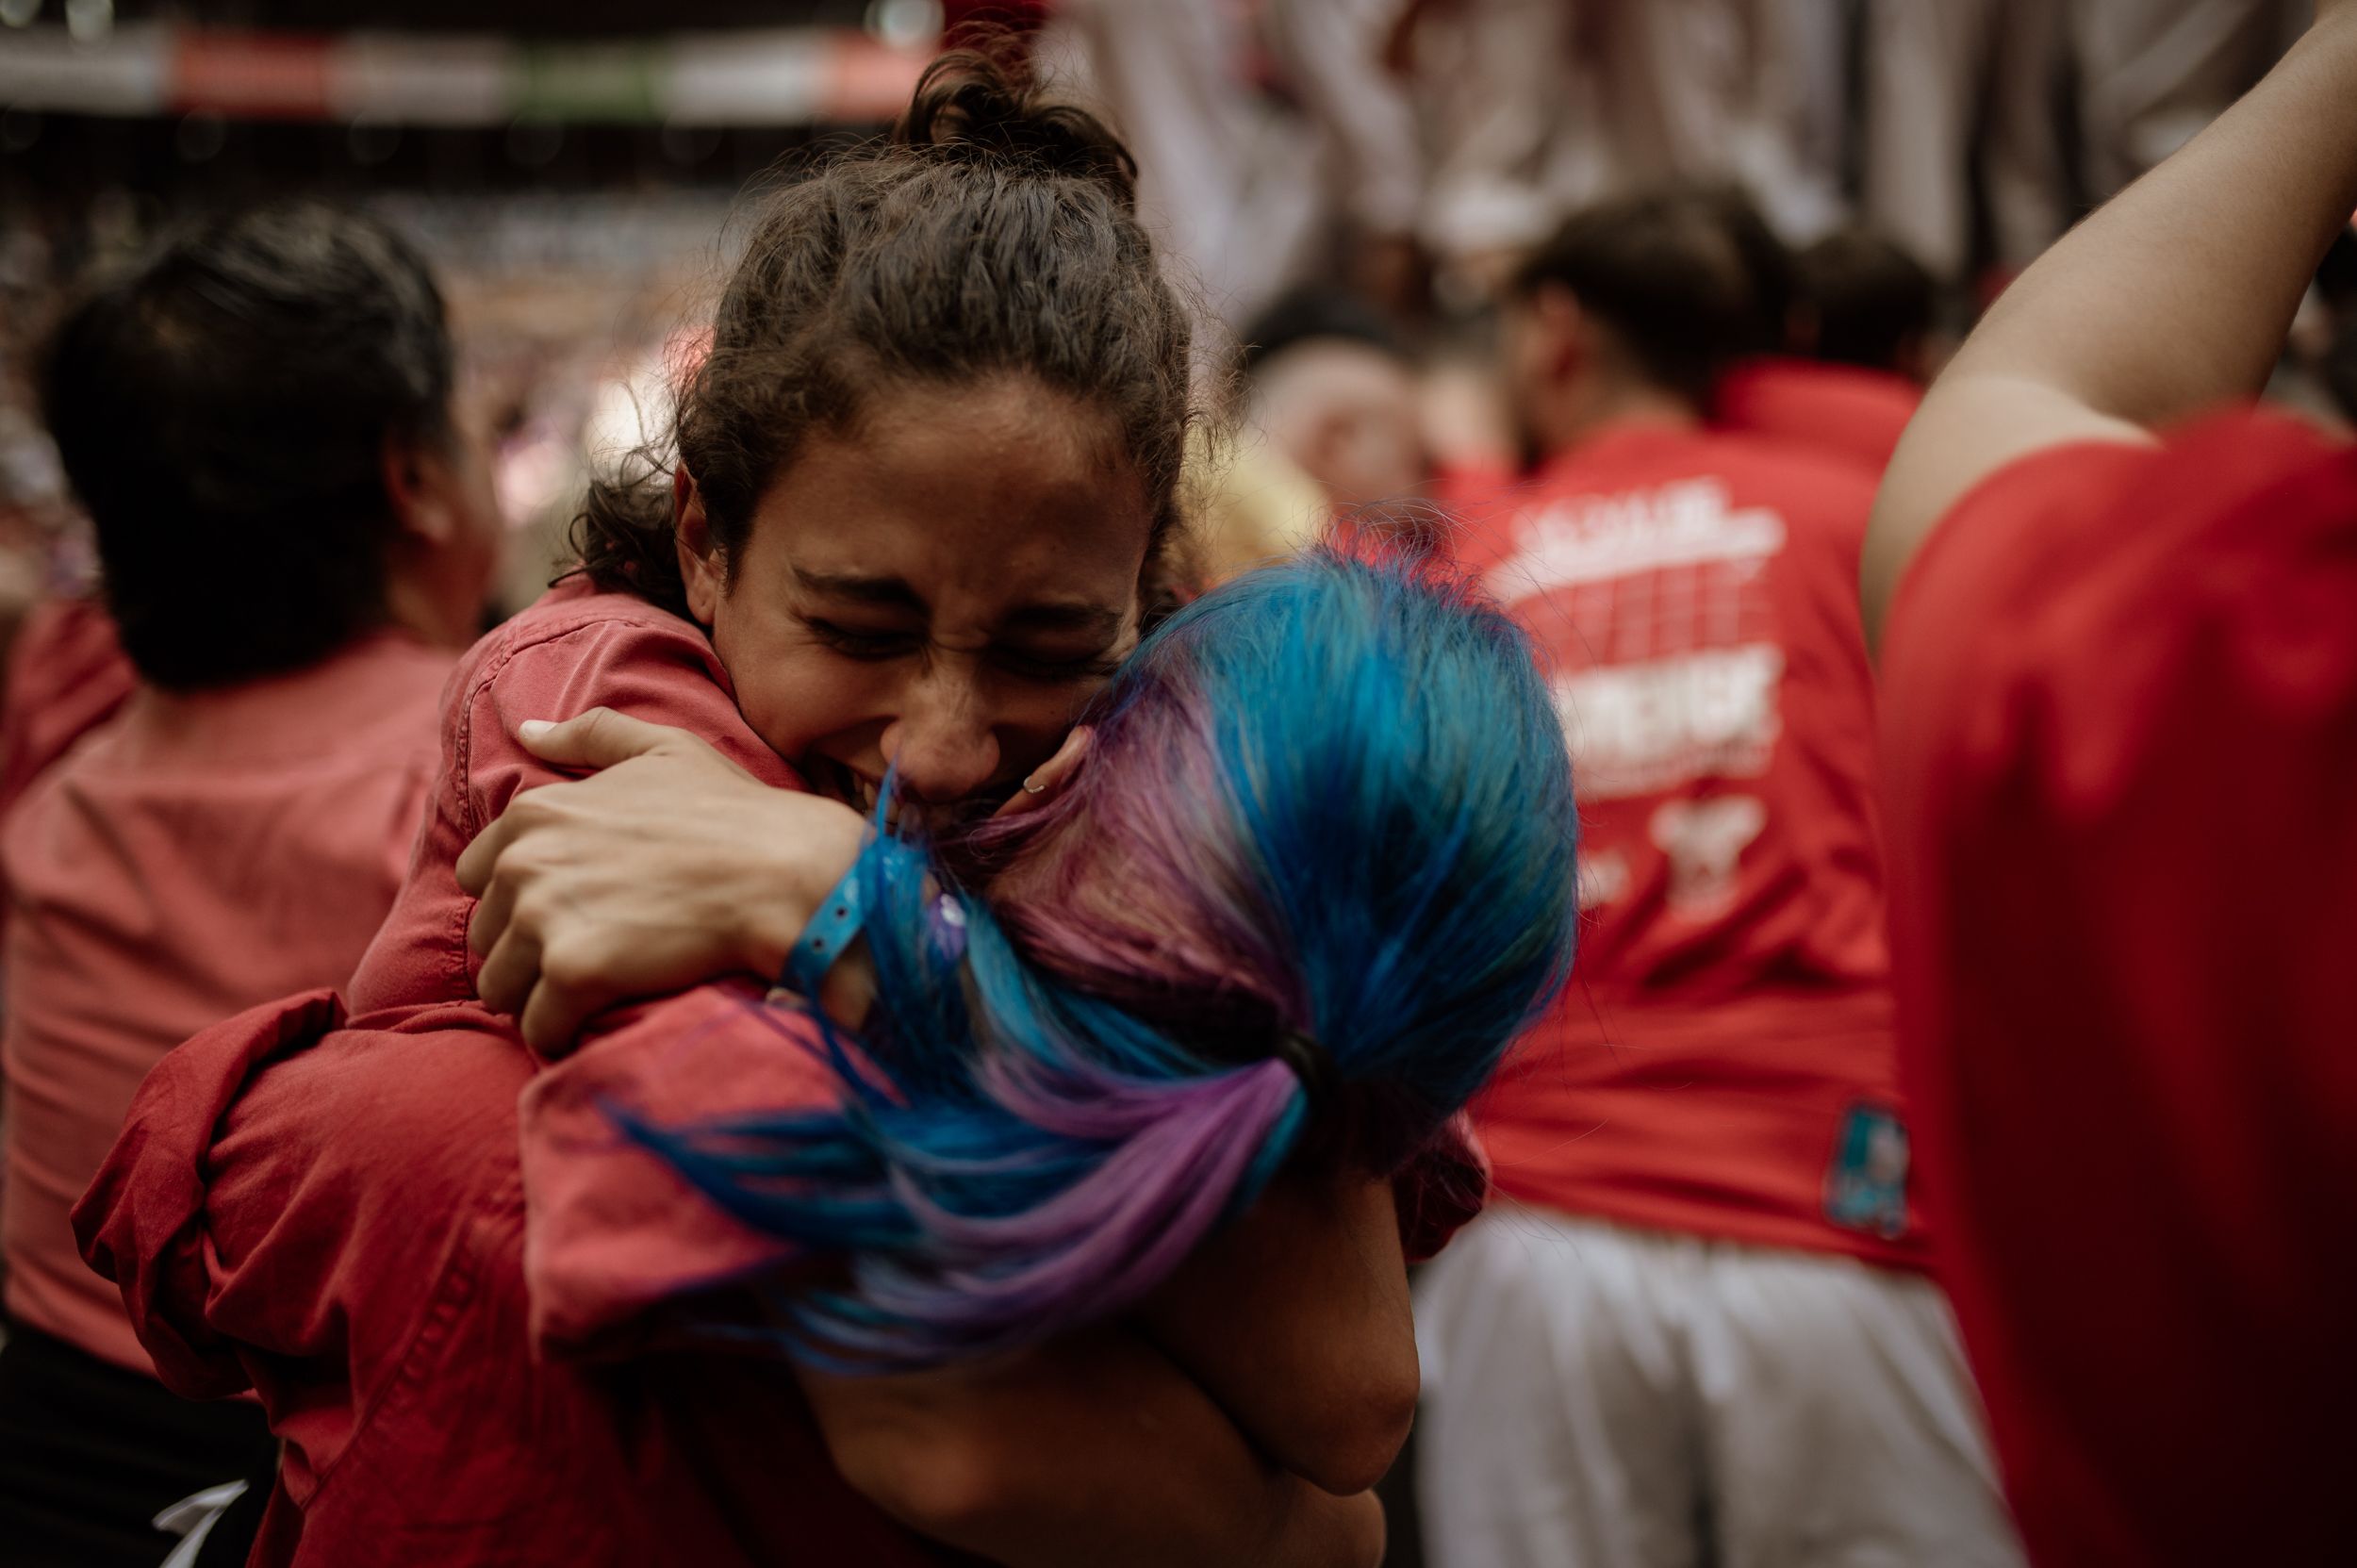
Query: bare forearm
[[1095, 1449], [2176, 296]]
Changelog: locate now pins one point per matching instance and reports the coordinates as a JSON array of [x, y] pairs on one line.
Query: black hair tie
[[1313, 1064]]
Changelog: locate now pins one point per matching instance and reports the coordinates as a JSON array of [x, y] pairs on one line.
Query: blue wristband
[[833, 927]]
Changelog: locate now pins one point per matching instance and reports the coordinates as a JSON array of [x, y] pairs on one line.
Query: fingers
[[510, 972], [1048, 778], [481, 858], [493, 910], [549, 999], [556, 1013], [599, 739]]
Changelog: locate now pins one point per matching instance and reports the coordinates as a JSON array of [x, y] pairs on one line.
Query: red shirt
[[1724, 1064], [1840, 410], [67, 674], [190, 856], [2121, 731], [339, 1218]]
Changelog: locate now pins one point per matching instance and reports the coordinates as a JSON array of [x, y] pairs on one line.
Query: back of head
[[1862, 300], [1332, 385], [224, 414], [1314, 877], [1315, 313], [1330, 802], [1666, 274], [995, 235]]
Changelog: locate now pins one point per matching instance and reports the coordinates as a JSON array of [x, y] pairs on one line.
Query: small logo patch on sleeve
[[1866, 1186]]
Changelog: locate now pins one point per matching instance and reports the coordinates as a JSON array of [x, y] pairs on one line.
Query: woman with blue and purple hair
[[1313, 878]]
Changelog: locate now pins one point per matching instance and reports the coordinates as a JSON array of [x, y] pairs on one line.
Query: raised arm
[[2173, 298]]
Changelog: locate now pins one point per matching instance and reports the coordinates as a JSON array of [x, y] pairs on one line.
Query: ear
[[1801, 327], [1562, 327], [701, 565], [418, 483]]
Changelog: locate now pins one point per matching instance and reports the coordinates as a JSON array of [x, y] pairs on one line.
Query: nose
[[942, 743]]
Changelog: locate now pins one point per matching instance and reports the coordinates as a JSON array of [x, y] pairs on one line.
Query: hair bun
[[971, 102]]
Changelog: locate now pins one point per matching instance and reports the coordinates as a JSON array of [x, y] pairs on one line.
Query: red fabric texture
[[334, 1214], [2121, 732], [1843, 411], [192, 854], [67, 673], [1694, 598]]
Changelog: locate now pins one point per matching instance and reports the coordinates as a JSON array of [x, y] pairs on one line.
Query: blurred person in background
[[1860, 299], [296, 535], [1331, 432], [1773, 383], [1961, 144], [1530, 107], [2118, 616], [1331, 386], [1702, 1329]]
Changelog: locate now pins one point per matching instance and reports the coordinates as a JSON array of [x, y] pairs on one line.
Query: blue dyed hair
[[1315, 875]]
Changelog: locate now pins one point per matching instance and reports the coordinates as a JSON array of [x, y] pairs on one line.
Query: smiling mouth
[[931, 820]]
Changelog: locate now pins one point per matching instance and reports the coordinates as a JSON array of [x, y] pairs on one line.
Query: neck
[[414, 607], [1587, 412]]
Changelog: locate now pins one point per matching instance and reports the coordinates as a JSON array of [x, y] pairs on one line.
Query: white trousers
[[1601, 1397]]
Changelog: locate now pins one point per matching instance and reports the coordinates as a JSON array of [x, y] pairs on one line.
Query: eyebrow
[[886, 592], [895, 594]]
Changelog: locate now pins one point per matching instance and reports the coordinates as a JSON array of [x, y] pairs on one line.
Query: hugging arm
[[670, 866], [1094, 1449], [2173, 298], [1295, 1318]]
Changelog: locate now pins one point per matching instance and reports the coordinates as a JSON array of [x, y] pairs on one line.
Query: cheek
[[794, 694]]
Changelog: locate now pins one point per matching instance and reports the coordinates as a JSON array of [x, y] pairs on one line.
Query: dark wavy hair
[[994, 233], [224, 413]]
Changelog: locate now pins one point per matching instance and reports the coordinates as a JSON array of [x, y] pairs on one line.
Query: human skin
[[2174, 298]]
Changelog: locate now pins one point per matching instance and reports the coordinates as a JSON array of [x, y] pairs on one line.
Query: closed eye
[[863, 644], [1055, 666]]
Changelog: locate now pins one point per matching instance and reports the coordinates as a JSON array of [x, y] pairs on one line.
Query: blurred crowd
[[1622, 307]]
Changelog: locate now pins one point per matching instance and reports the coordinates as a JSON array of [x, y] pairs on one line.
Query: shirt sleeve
[[662, 672], [614, 1238]]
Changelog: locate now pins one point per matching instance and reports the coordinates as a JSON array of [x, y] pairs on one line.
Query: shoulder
[[577, 630], [2090, 533], [614, 1233], [1851, 414], [579, 649], [2078, 619], [1806, 475]]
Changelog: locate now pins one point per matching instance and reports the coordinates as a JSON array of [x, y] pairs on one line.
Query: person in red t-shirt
[[297, 533], [1702, 1331], [2120, 666], [1831, 354]]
